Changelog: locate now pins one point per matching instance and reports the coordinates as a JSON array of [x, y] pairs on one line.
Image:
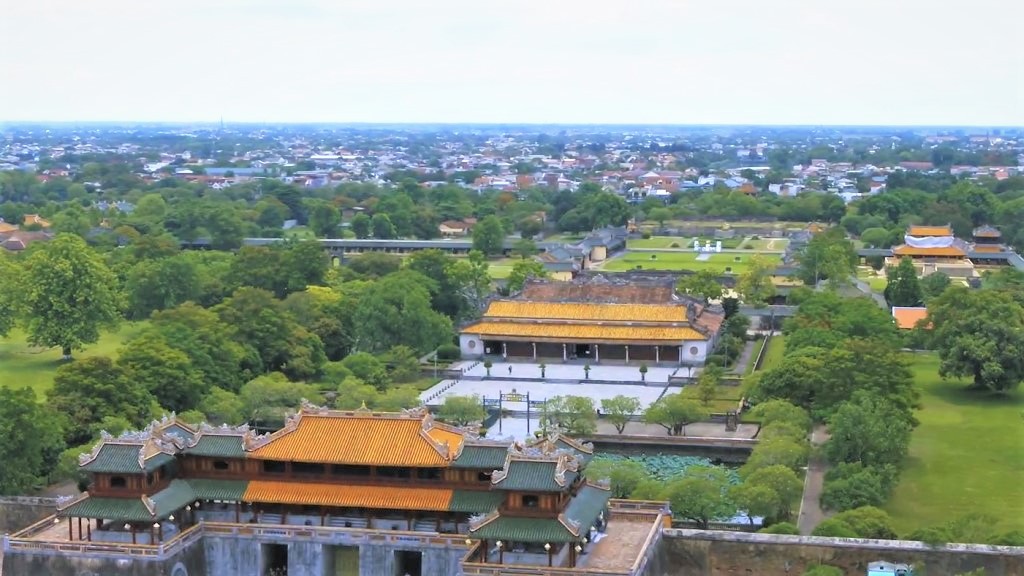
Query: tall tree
[[10, 272], [522, 271], [161, 284], [69, 294], [903, 287], [619, 410], [461, 410], [933, 285], [88, 390], [361, 225], [324, 220], [979, 334], [167, 374], [489, 236], [32, 441], [828, 256], [702, 284], [209, 344], [472, 278], [574, 415], [869, 430], [700, 495], [397, 311], [781, 482], [382, 226], [755, 284]]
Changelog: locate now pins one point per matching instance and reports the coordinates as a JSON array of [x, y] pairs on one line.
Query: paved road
[[866, 289], [811, 513], [746, 357]]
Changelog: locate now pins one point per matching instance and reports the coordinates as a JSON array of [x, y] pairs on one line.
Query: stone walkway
[[746, 357], [811, 513], [618, 549]]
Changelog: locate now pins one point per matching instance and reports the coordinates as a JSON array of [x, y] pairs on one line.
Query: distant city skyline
[[728, 62]]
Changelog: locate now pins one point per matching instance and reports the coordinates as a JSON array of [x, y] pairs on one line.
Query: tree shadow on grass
[[962, 393]]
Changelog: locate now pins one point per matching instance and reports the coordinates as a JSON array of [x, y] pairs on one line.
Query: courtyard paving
[[574, 371]]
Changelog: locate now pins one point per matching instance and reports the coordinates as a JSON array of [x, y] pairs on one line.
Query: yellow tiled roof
[[586, 311], [930, 231], [343, 496], [914, 251], [586, 332], [363, 439]]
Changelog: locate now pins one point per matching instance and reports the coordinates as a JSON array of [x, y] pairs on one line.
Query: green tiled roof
[[533, 476], [587, 505], [117, 509], [124, 458], [178, 430], [481, 457], [231, 490], [475, 501], [175, 496], [513, 529], [218, 445], [165, 503]]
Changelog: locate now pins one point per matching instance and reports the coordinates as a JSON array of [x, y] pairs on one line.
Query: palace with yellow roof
[[438, 496], [937, 249], [596, 319]]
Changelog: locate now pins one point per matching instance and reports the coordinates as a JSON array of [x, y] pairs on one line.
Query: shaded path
[[866, 289], [811, 513], [746, 357]]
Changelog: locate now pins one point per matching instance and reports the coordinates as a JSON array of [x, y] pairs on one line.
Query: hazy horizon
[[649, 63]]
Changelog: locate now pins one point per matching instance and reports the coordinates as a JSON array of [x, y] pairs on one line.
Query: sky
[[805, 62]]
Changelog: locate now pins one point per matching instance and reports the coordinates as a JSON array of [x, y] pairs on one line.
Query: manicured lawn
[[769, 244], [773, 355], [663, 242], [500, 269], [758, 344], [681, 261], [22, 365], [967, 455]]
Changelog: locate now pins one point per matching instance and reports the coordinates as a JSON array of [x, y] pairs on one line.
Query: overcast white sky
[[547, 61]]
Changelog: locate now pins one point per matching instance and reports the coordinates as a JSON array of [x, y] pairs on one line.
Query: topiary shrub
[[674, 245], [448, 352], [645, 235], [781, 528]]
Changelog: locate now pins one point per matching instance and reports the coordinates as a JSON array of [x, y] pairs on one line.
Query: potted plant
[[586, 371], [543, 367], [643, 372], [487, 366]]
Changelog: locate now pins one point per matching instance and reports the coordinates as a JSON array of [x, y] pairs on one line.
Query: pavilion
[[596, 319]]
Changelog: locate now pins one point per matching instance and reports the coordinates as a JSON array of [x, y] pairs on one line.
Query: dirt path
[[811, 513]]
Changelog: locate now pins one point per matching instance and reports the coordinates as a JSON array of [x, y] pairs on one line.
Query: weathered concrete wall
[[306, 559], [19, 512], [228, 556], [441, 562], [189, 562], [376, 559], [712, 553]]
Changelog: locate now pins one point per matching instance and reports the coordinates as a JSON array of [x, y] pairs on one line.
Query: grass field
[[660, 242], [22, 365], [773, 244], [500, 269], [967, 456], [758, 345], [681, 261], [773, 355]]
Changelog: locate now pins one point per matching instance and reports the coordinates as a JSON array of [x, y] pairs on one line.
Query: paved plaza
[[540, 391], [574, 371]]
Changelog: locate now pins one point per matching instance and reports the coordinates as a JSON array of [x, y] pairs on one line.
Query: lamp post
[[501, 551], [547, 547]]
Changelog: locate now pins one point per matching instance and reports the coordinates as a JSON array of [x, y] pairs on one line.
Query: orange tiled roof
[[912, 251], [908, 317], [586, 332], [342, 496], [363, 438], [586, 311], [930, 231], [5, 227]]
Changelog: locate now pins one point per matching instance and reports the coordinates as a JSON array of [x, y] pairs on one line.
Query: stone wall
[[713, 553], [19, 512], [188, 562]]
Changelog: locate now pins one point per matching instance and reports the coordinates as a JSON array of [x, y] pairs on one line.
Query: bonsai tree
[[542, 367], [487, 366], [586, 371], [643, 372]]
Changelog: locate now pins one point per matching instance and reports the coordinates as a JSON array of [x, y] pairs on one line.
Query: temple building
[[438, 495], [596, 319], [933, 249]]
